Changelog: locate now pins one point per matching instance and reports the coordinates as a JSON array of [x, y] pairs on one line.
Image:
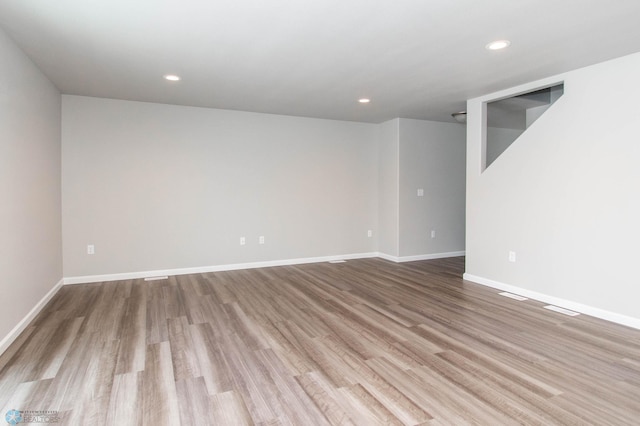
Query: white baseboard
[[215, 268], [431, 256], [563, 303], [236, 266], [388, 257], [19, 328], [401, 259]]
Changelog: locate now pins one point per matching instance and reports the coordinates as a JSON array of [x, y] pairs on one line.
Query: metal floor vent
[[337, 261], [156, 278], [512, 296], [562, 310]]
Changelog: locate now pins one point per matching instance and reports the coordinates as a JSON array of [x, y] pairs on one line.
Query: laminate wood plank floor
[[365, 342]]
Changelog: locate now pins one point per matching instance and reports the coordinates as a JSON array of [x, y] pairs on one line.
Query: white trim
[[563, 303], [388, 257], [20, 327], [215, 268], [402, 259], [430, 256], [236, 266]]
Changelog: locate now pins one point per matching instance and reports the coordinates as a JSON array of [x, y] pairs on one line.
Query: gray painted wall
[[565, 196], [388, 147], [30, 222], [432, 157], [161, 187], [158, 187]]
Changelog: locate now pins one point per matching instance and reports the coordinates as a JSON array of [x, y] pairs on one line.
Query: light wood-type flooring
[[365, 342]]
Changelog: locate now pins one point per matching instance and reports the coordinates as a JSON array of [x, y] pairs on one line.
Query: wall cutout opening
[[507, 119]]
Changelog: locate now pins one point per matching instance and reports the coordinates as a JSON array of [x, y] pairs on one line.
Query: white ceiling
[[414, 58]]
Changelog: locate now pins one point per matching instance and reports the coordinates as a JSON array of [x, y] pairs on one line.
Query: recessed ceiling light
[[364, 100], [498, 44], [172, 77]]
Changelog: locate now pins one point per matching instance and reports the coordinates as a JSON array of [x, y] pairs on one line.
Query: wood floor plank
[[72, 378], [248, 379], [91, 400], [156, 324], [132, 351], [290, 349], [13, 350], [364, 342], [369, 409], [159, 397], [125, 402], [322, 394], [356, 370], [229, 409], [530, 403], [20, 395], [213, 367], [297, 406], [194, 401], [183, 354], [421, 391]]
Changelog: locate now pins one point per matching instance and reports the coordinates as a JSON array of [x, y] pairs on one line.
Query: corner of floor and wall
[[30, 189], [103, 189], [555, 217]]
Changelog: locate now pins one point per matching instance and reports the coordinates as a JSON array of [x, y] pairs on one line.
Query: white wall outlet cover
[[512, 256], [91, 249], [369, 233], [420, 192], [261, 240], [243, 241]]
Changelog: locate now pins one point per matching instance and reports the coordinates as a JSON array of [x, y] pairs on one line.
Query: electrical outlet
[[420, 192], [261, 239], [433, 233], [91, 249], [243, 241], [512, 256], [369, 233]]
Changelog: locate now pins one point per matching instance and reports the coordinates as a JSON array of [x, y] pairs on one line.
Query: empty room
[[319, 212]]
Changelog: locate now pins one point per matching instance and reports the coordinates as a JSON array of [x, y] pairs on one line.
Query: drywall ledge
[[563, 303], [22, 325]]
